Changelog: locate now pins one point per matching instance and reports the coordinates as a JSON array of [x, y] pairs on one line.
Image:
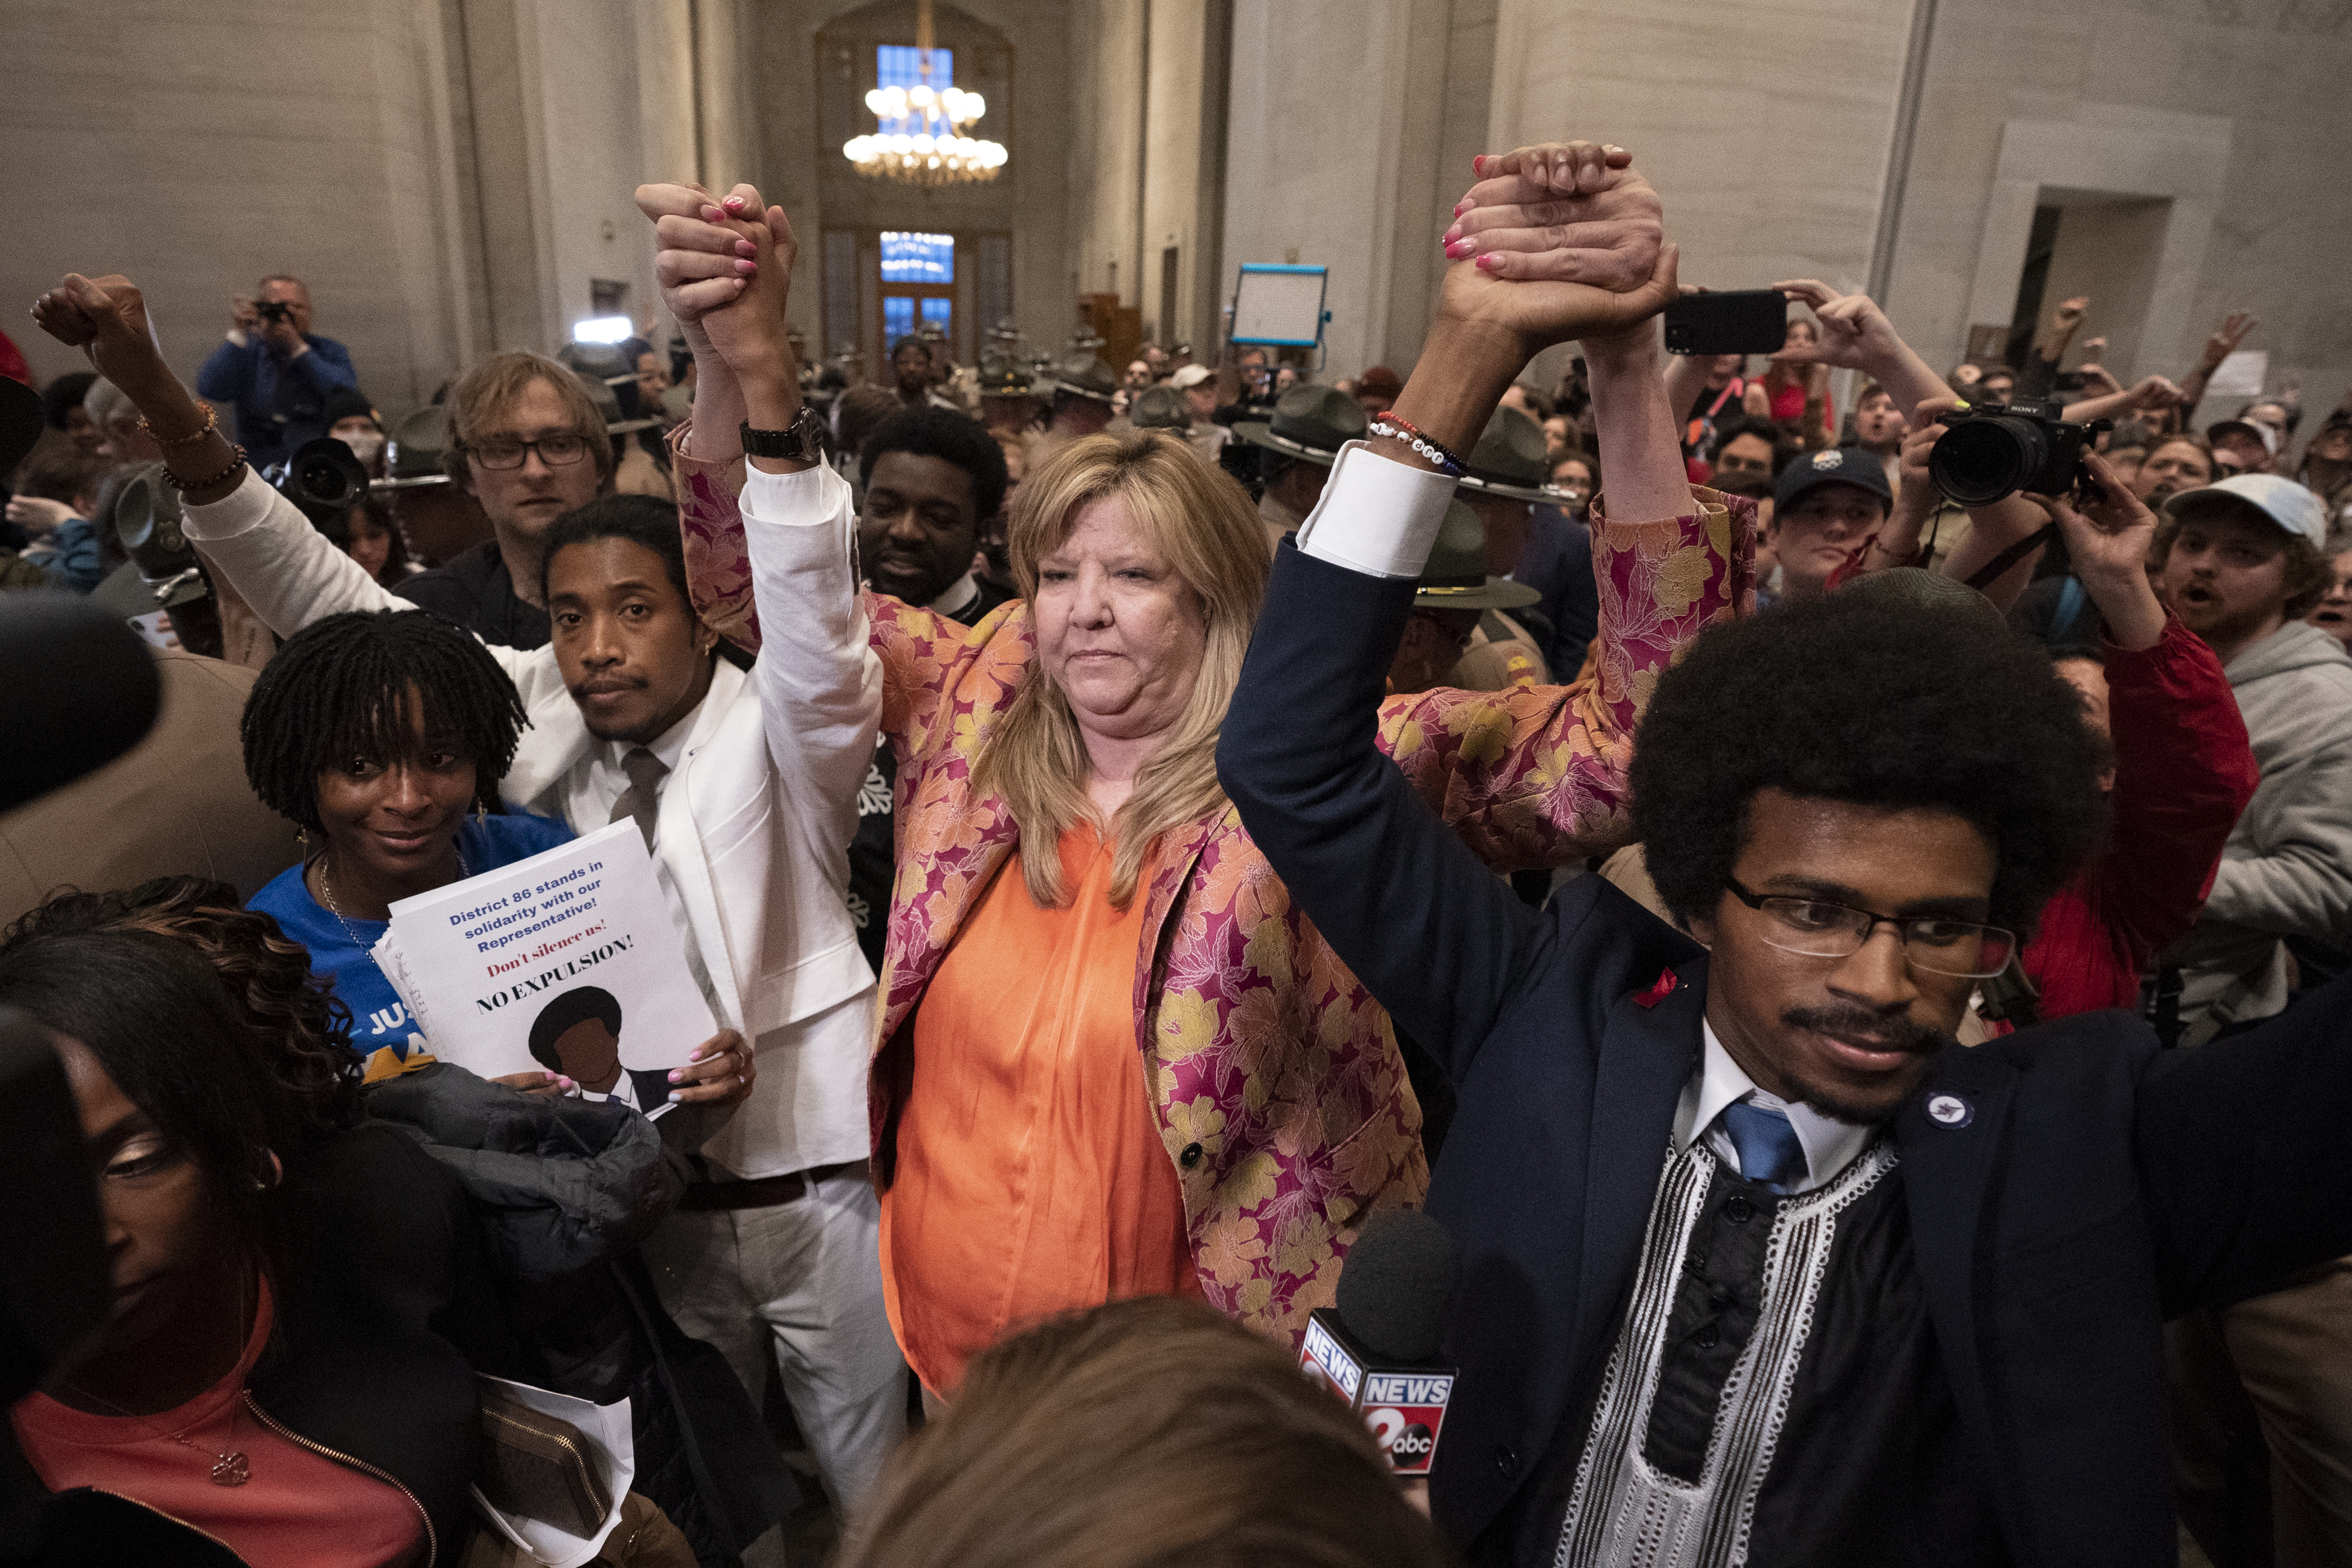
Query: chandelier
[[938, 151]]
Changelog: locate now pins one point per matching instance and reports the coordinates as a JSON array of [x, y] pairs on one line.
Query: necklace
[[230, 1468], [327, 892]]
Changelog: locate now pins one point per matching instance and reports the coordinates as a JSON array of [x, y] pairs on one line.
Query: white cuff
[[236, 335], [801, 499], [1377, 516], [240, 511]]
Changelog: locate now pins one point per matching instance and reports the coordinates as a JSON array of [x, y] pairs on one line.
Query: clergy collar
[[671, 744], [957, 598], [1830, 1146]]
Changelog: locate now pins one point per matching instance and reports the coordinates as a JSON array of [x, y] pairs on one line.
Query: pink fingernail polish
[[1452, 234], [678, 1078], [1486, 263], [747, 266], [1459, 249], [734, 204], [1479, 165], [1461, 206]]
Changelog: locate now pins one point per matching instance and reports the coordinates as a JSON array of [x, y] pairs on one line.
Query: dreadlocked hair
[[338, 692], [266, 974]]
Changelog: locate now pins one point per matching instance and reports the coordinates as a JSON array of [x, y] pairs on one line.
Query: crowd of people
[[1133, 828]]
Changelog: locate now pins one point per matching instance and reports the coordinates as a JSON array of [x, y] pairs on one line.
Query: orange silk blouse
[[1032, 1178]]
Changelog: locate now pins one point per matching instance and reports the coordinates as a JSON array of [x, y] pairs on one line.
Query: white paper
[[2239, 375], [478, 961], [606, 1427]]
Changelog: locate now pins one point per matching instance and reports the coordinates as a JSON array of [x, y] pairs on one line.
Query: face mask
[[366, 448]]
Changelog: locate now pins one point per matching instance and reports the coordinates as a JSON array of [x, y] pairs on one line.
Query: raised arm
[[2184, 769], [819, 679], [1535, 775], [1352, 840], [709, 257], [2218, 347], [289, 571], [1855, 335]]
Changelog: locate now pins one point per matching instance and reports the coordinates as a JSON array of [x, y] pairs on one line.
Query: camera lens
[[1978, 461]]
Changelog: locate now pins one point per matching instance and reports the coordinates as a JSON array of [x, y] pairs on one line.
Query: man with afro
[[1759, 1263]]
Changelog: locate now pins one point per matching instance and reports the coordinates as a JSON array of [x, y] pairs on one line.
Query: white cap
[[2284, 502], [1190, 376]]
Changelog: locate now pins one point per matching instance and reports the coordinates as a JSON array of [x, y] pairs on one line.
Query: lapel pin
[[1951, 1111]]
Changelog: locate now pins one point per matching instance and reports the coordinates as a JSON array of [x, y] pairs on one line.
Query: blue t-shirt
[[379, 1021]]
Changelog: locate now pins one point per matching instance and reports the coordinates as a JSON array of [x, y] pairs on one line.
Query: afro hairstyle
[[943, 433], [1878, 701]]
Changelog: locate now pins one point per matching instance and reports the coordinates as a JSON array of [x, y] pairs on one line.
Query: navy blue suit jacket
[[2100, 1185]]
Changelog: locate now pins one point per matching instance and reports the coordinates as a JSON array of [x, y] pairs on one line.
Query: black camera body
[[323, 477], [1991, 450], [274, 310]]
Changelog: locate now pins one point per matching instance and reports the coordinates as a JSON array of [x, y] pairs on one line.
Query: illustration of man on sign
[[578, 1034]]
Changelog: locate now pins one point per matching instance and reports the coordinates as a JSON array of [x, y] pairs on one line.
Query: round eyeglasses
[[1816, 928]]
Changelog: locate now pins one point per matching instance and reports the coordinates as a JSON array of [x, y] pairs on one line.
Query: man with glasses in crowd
[[1759, 1263], [527, 441]]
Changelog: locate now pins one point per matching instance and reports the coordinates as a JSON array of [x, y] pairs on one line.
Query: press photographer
[[276, 371]]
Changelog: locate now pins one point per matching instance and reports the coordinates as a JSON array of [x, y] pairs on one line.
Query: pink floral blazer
[[1280, 1095]]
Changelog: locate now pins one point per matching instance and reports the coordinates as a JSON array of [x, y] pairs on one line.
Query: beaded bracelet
[[212, 423], [1396, 429], [235, 461]]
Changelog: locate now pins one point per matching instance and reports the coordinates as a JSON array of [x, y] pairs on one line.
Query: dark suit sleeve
[[2245, 1152], [1431, 932]]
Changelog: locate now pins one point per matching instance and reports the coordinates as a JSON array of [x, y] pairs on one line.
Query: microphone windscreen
[[1397, 1284], [81, 690]]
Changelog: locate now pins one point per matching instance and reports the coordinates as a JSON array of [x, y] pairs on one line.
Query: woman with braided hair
[[383, 736]]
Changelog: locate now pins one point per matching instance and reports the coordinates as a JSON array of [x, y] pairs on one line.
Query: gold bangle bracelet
[[212, 423]]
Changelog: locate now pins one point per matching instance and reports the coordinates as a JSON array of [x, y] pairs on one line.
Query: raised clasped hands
[[724, 267], [1557, 242], [106, 319], [2107, 535]]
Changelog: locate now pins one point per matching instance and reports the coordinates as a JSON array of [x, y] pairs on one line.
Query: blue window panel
[[909, 258], [939, 313], [898, 319], [900, 64]]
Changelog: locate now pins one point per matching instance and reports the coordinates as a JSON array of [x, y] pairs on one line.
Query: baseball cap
[[1190, 377], [2262, 433], [2283, 501], [1835, 466]]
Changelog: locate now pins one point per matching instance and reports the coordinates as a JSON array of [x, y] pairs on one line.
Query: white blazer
[[754, 835]]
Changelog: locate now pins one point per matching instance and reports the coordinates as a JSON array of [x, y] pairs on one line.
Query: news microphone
[[81, 690], [1377, 1349]]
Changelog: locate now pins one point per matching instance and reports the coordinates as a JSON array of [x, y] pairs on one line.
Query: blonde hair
[[481, 392], [1147, 1432], [1199, 521]]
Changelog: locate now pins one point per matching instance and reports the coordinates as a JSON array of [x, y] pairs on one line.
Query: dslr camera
[[323, 477], [1989, 450], [273, 310]]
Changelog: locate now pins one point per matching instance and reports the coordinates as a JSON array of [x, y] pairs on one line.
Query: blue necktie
[[1768, 1149]]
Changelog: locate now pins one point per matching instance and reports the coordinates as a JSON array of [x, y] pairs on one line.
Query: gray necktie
[[641, 801]]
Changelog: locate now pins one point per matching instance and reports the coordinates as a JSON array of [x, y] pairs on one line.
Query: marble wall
[[451, 175], [2235, 112]]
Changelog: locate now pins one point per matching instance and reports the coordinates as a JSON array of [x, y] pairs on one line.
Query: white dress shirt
[[1830, 1146]]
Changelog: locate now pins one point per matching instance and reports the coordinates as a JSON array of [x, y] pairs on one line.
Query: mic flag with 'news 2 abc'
[[1377, 1349]]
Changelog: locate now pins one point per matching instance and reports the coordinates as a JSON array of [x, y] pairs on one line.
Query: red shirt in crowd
[[2184, 772]]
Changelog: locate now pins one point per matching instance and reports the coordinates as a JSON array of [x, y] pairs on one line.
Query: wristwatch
[[799, 442]]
